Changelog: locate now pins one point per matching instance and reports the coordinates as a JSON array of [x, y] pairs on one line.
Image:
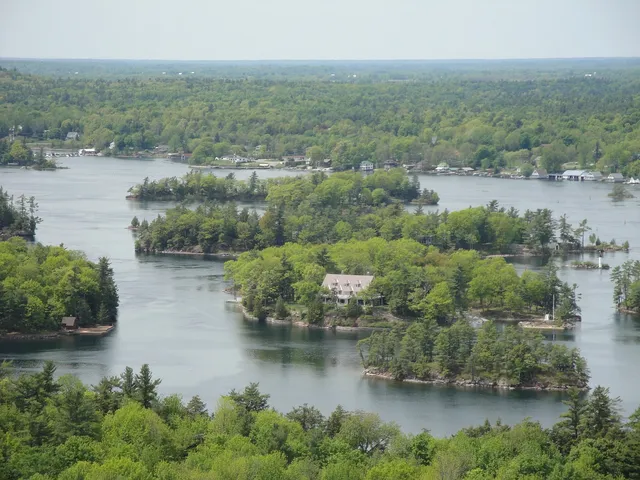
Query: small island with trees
[[46, 291]]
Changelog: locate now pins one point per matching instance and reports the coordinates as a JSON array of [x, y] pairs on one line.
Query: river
[[174, 315]]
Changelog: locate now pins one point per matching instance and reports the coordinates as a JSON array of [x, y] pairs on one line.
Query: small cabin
[[69, 323]]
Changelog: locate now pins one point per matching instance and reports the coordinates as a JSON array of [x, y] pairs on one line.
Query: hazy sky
[[319, 29]]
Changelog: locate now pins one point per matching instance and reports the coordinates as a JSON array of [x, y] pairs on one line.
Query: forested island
[[19, 154], [326, 209], [417, 114], [466, 356], [122, 428], [39, 285], [17, 218]]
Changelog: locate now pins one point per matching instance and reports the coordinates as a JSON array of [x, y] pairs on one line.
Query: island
[[49, 291]]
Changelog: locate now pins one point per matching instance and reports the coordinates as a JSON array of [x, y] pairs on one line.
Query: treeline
[[17, 218], [482, 123], [414, 280], [121, 428], [317, 209], [39, 285], [199, 186], [626, 285], [461, 353]]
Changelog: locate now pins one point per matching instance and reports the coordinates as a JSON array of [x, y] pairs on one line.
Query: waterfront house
[[390, 164], [73, 136], [467, 170], [574, 175], [345, 287], [297, 159], [540, 174], [593, 176], [69, 323], [442, 167], [366, 167], [615, 178]]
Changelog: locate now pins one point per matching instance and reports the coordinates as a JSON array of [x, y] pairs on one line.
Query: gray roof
[[540, 172], [574, 173], [72, 135], [345, 286], [616, 175], [69, 321]]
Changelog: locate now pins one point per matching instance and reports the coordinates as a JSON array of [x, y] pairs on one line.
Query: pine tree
[[108, 289], [196, 407], [146, 387], [128, 383]]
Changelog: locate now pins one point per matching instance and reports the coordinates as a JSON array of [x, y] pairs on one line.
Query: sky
[[319, 29]]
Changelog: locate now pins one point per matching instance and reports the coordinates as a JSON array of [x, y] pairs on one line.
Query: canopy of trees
[[415, 280], [17, 218], [39, 285], [511, 357], [489, 119], [121, 428]]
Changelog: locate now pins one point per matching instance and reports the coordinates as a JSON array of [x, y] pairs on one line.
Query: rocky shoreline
[[14, 336], [466, 383]]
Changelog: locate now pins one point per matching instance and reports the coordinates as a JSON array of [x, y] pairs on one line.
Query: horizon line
[[274, 60]]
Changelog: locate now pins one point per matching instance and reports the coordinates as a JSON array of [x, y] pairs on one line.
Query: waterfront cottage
[[73, 136], [540, 174], [366, 167], [69, 323], [615, 178], [345, 287]]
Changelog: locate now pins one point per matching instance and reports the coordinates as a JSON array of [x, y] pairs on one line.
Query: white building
[[366, 167], [345, 287], [593, 176]]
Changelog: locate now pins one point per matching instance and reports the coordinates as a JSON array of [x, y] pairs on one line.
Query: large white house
[[345, 287], [366, 167]]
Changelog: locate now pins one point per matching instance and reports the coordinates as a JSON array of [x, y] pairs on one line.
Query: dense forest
[[121, 428], [17, 218], [415, 281], [491, 120], [39, 285], [463, 354]]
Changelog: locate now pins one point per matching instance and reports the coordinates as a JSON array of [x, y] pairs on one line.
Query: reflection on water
[[174, 313]]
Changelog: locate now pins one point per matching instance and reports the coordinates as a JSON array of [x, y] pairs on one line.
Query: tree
[[146, 387], [367, 432], [251, 400], [619, 193], [601, 414], [76, 412], [308, 416], [281, 311]]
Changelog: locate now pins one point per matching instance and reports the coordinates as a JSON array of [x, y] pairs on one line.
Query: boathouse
[[345, 287], [69, 323], [574, 175], [615, 178]]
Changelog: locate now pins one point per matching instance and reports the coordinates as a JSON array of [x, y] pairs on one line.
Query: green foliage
[[626, 285], [56, 429], [40, 285], [281, 310], [485, 356]]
